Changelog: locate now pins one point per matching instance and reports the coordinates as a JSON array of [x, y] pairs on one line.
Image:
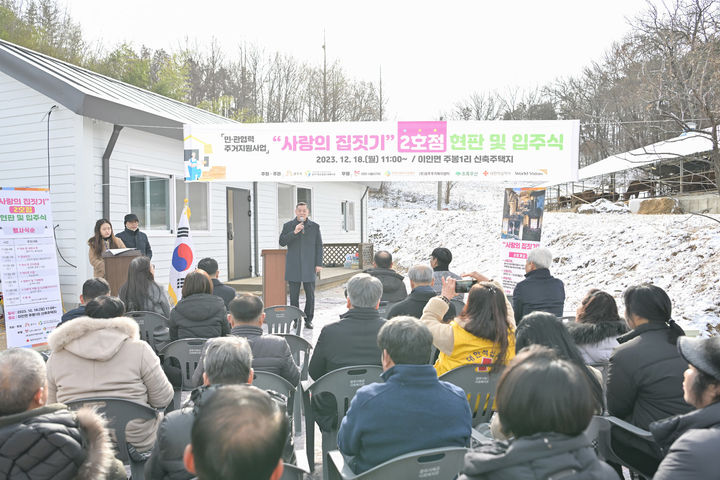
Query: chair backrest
[[439, 463], [291, 472], [187, 352], [479, 385], [458, 306], [151, 325], [344, 382], [300, 349], [276, 383], [118, 412], [280, 319]]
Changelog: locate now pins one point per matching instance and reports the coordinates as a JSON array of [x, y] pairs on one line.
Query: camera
[[464, 286]]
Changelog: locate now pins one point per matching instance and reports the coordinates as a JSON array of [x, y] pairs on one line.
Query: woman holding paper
[[100, 242]]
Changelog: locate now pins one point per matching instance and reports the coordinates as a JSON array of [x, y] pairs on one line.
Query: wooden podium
[[116, 268], [274, 287]]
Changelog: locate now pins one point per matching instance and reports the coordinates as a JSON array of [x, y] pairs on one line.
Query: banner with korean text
[[521, 231], [28, 268], [520, 152]]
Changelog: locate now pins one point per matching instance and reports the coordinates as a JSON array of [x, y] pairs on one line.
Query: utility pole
[[325, 117], [381, 103]]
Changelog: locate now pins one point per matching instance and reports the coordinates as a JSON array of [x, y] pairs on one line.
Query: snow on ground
[[679, 253]]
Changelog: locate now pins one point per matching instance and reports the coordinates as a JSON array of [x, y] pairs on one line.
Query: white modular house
[[106, 148]]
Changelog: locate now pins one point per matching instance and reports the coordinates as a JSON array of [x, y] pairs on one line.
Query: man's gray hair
[[22, 374], [364, 291], [421, 274], [228, 360], [407, 341], [541, 257]]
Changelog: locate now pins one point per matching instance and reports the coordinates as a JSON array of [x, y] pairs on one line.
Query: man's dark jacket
[[223, 291], [393, 286], [201, 315], [74, 313], [350, 341], [389, 419], [136, 239], [305, 251], [415, 302], [271, 353], [539, 292], [52, 442], [690, 442], [645, 377]]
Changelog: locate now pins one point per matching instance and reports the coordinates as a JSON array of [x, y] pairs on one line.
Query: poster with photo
[[521, 232], [32, 305]]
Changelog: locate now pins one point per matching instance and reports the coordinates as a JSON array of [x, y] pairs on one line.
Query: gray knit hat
[[702, 353]]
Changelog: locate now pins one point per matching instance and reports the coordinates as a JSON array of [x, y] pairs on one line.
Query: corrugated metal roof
[[93, 95]]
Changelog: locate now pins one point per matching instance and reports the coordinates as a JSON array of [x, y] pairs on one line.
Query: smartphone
[[464, 286]]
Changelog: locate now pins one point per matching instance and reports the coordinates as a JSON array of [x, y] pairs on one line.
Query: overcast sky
[[432, 53]]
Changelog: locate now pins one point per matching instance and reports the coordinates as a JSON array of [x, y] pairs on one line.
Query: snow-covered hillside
[[679, 253]]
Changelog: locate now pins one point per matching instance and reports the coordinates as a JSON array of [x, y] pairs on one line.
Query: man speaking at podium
[[303, 261]]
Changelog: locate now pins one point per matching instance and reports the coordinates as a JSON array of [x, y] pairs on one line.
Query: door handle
[[229, 231]]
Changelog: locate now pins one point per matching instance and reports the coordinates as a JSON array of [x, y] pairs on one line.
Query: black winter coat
[[52, 442], [415, 302], [271, 353], [136, 239], [223, 291], [539, 292], [305, 251], [350, 341], [393, 286], [645, 377], [691, 443], [201, 315], [537, 457]]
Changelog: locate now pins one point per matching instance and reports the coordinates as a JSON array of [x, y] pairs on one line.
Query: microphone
[[303, 230]]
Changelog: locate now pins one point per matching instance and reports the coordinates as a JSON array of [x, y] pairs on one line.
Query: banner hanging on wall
[[521, 152], [28, 268], [521, 231]]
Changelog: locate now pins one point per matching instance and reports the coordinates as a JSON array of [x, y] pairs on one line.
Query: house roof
[[688, 143], [96, 96]]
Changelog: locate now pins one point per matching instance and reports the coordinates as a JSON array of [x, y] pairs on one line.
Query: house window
[[305, 195], [197, 195], [348, 213], [150, 200]]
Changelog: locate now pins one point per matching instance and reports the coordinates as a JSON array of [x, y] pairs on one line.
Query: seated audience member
[[271, 353], [91, 289], [411, 411], [101, 355], [545, 404], [228, 361], [440, 259], [645, 374], [421, 280], [482, 333], [238, 432], [691, 441], [199, 313], [353, 339], [597, 327], [210, 266], [545, 329], [141, 293], [47, 441], [393, 285], [540, 291]]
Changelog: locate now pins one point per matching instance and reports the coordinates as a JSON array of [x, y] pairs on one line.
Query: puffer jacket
[[52, 442], [271, 353], [596, 341], [394, 288], [201, 315], [104, 357], [691, 442], [537, 457]]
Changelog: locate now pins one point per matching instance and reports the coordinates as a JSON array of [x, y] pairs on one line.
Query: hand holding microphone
[[300, 227]]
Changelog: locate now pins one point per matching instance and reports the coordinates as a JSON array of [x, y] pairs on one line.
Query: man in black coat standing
[[540, 291], [132, 237], [304, 258]]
